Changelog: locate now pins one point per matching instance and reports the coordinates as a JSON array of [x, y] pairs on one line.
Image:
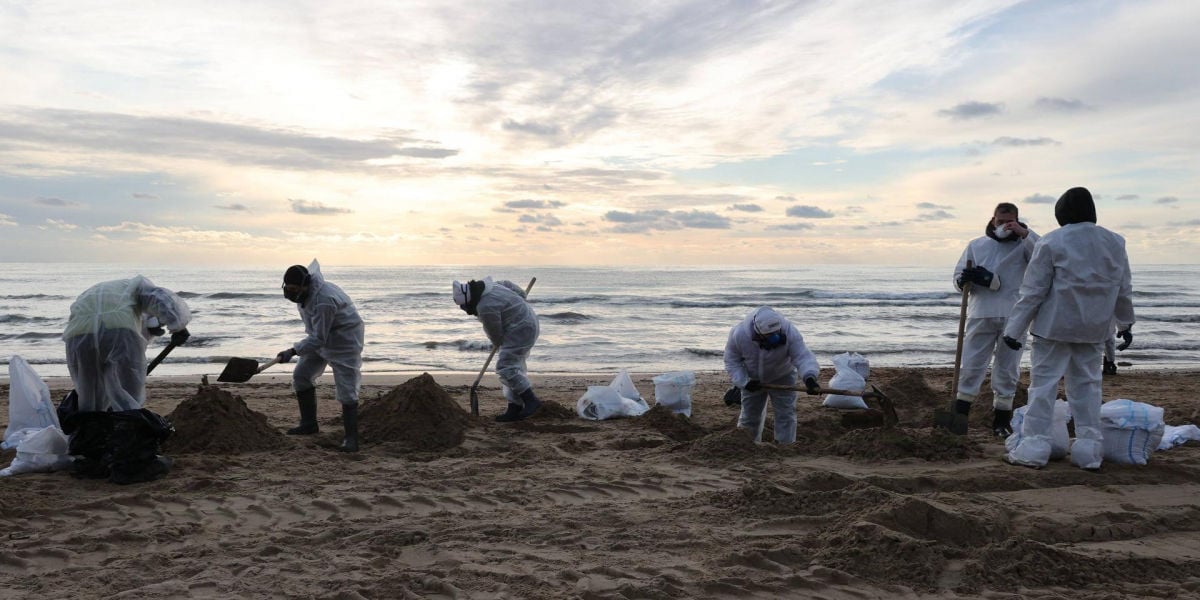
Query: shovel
[[240, 370], [949, 419], [475, 386], [890, 419]]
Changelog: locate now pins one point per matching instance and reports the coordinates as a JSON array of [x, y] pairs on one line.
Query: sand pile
[[417, 414], [553, 411], [215, 421], [677, 427], [914, 398], [929, 444], [731, 444]]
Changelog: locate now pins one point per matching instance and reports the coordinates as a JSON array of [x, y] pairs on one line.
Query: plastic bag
[[29, 405], [1176, 435], [848, 377], [1132, 430], [1060, 440], [617, 399], [39, 450], [674, 391]]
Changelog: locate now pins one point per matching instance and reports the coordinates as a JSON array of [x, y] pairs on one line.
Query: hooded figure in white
[[1077, 283], [106, 340], [998, 260], [766, 349], [512, 326], [334, 337]]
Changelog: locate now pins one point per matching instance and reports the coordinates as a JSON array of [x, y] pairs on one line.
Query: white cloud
[[7, 221]]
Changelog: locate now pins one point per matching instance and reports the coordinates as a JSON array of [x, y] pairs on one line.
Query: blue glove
[[1011, 343], [1127, 336]]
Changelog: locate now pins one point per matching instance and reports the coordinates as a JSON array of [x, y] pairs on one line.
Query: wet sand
[[558, 507]]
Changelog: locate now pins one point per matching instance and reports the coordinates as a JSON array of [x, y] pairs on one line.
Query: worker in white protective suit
[[1077, 283], [106, 340], [512, 326], [998, 260], [766, 349], [334, 338]]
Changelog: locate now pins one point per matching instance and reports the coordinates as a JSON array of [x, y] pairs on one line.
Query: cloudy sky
[[622, 132]]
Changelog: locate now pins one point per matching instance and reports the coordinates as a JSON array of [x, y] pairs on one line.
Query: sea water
[[593, 319]]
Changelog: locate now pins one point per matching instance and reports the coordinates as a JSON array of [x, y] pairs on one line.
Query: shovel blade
[[239, 370]]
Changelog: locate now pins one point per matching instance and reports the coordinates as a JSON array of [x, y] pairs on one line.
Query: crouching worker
[[334, 338], [766, 349], [106, 336], [512, 326]]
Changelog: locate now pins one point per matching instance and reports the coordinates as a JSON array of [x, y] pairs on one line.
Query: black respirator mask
[[299, 295], [770, 341]]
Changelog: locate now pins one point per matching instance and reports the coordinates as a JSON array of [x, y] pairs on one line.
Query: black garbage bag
[[121, 446]]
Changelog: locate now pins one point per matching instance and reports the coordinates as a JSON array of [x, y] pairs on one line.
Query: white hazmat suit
[[747, 360], [987, 312], [512, 326], [105, 343], [334, 337], [1077, 283]]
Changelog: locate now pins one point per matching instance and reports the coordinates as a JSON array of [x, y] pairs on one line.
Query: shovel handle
[[270, 364], [160, 357], [768, 386]]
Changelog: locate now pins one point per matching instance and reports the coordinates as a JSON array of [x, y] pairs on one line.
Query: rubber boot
[[532, 403], [1001, 422], [307, 400], [350, 420], [962, 409], [512, 414]]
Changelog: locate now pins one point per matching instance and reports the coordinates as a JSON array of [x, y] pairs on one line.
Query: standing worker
[[1078, 282], [334, 338], [766, 349], [999, 258], [106, 346], [512, 326]]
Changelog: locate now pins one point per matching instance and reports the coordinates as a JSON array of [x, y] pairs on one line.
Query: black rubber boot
[[1002, 422], [308, 413], [512, 414], [532, 403], [962, 409], [350, 420]]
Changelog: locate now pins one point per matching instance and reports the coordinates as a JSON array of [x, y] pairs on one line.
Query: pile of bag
[[1132, 430], [33, 427], [622, 399]]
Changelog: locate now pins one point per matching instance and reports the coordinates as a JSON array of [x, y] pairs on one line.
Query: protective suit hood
[[1075, 206]]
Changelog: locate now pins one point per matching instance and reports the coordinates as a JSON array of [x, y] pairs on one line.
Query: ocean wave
[[567, 317], [240, 295], [1194, 318], [34, 297], [704, 352], [31, 335], [461, 345], [25, 319]]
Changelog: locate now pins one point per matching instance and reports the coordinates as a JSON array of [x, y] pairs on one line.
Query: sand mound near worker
[[914, 398], [417, 414], [676, 426], [887, 444], [553, 411], [215, 421], [731, 444]]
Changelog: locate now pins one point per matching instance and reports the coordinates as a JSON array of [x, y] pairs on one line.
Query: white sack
[[1132, 430], [848, 378], [1060, 440], [674, 391]]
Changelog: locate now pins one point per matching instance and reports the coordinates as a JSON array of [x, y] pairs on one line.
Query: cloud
[[1040, 199], [791, 227], [1018, 142], [539, 204], [233, 207], [1191, 223], [937, 215], [803, 211], [531, 127], [1167, 200], [1127, 197], [1061, 104], [231, 143], [141, 196], [746, 207], [677, 200], [7, 221], [932, 206], [664, 220], [58, 224], [308, 207], [54, 202], [971, 110], [546, 220]]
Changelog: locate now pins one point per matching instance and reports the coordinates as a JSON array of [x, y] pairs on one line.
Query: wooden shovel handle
[[270, 364], [768, 386]]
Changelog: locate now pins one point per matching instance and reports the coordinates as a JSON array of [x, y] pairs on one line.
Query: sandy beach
[[440, 505]]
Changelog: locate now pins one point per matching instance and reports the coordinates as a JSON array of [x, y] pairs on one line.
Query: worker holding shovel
[[334, 338], [512, 327], [767, 350], [992, 266]]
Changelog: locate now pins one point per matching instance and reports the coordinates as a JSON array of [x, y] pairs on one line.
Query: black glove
[[753, 385], [156, 331], [733, 397], [1002, 423], [1127, 336], [1011, 343], [811, 386], [978, 276], [286, 355], [180, 337]]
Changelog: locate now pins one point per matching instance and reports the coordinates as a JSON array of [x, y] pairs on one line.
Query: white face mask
[[1001, 232]]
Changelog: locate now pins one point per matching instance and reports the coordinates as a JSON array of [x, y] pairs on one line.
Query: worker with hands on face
[[998, 259], [1077, 284], [766, 349], [334, 338], [106, 337]]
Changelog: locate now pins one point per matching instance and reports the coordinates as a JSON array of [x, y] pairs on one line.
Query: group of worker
[[1067, 288]]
